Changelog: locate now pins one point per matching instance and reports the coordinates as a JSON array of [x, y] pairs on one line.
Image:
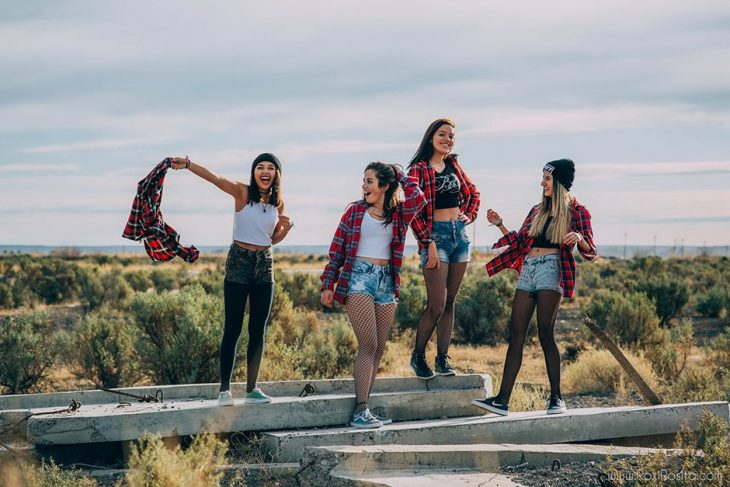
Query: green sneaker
[[364, 420], [256, 396]]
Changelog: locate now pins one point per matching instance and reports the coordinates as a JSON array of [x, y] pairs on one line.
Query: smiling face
[[443, 139], [264, 174], [547, 184], [371, 190]]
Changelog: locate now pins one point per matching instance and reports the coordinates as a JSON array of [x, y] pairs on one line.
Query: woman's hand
[[180, 163], [397, 169], [493, 217], [328, 297], [432, 261], [286, 222], [572, 238], [464, 218]]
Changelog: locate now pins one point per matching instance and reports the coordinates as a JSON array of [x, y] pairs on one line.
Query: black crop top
[[542, 240], [447, 188]]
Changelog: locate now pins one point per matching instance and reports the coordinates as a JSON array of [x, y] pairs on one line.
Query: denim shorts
[[452, 242], [540, 273], [374, 280], [249, 266]]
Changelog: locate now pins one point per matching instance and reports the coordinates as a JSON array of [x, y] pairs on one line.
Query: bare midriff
[[253, 247], [539, 251], [446, 214], [375, 261]]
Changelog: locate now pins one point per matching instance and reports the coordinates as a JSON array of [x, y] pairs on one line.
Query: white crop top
[[255, 224], [375, 238]]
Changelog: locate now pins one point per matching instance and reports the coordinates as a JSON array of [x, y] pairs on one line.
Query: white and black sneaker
[[442, 365], [492, 404], [420, 367], [556, 405]]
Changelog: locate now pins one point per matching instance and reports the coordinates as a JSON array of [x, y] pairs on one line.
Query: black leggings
[[260, 297], [523, 307]]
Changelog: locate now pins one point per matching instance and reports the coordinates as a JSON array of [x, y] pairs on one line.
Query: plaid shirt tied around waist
[[343, 249], [519, 244], [161, 241], [469, 198]]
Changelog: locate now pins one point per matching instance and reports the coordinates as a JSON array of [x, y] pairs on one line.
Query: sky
[[94, 94]]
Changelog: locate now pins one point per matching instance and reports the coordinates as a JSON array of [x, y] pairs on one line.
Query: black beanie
[[563, 170], [269, 157]]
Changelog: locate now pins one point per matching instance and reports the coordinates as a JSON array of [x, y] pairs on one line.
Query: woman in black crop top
[[452, 202]]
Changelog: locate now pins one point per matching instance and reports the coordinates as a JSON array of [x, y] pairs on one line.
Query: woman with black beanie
[[542, 252]]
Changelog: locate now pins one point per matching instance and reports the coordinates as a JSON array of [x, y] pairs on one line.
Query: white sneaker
[[256, 396], [225, 398]]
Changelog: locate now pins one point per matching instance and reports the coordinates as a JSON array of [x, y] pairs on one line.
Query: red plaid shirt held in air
[[146, 223], [426, 176], [347, 236], [519, 245]]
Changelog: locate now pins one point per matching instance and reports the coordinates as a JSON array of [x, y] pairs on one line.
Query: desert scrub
[[153, 464], [179, 334], [51, 475], [28, 349], [703, 459], [598, 371]]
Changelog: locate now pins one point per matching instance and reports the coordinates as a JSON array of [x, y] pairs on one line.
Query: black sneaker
[[493, 405], [442, 365], [420, 367], [556, 405]]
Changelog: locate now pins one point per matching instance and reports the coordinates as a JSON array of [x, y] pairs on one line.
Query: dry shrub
[[51, 475], [598, 371], [152, 464]]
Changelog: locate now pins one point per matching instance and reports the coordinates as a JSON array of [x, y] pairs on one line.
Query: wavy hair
[[254, 195]]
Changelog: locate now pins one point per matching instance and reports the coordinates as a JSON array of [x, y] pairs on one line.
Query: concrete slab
[[109, 423], [449, 464], [577, 425], [210, 391]]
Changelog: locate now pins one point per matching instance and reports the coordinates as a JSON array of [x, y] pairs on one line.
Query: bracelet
[[187, 163], [499, 224]]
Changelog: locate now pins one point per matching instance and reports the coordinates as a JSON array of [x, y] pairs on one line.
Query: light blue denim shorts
[[374, 280], [452, 242], [540, 273]]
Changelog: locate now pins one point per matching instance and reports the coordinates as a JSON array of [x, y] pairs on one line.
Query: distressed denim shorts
[[374, 280], [452, 242], [540, 273], [249, 266]]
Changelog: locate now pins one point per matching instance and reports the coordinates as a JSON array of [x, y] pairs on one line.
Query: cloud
[[12, 168]]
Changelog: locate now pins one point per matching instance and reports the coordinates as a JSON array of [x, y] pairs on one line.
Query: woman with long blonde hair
[[542, 252]]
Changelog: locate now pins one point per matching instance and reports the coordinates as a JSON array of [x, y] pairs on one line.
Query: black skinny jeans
[[235, 295]]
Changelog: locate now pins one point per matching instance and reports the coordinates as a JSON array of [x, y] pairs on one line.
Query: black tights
[[523, 307], [235, 295], [442, 285]]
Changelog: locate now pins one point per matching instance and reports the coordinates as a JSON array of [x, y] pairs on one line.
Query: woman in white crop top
[[259, 222], [365, 261]]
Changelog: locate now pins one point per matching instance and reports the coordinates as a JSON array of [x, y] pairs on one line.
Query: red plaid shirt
[[347, 236], [426, 175], [519, 244], [146, 223]]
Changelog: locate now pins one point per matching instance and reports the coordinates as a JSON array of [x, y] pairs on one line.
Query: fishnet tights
[[371, 323], [523, 307], [442, 285]]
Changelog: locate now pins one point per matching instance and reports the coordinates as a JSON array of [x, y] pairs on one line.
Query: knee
[[435, 310], [546, 336], [450, 301], [368, 348]]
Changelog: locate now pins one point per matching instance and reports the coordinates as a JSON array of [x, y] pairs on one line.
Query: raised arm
[[234, 188], [281, 230], [415, 200]]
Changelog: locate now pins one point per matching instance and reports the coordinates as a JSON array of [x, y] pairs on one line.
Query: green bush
[[6, 296], [179, 335], [103, 350], [412, 300], [630, 318], [303, 288], [27, 351], [483, 309], [669, 295], [54, 281], [720, 351], [139, 280], [714, 303], [669, 356], [697, 385]]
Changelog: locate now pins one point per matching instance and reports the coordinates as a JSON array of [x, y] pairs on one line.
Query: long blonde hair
[[559, 208]]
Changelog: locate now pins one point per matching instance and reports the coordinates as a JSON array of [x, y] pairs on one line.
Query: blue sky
[[94, 94]]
